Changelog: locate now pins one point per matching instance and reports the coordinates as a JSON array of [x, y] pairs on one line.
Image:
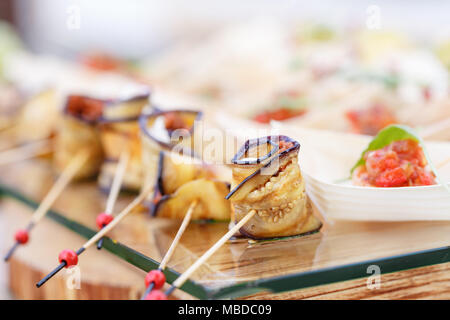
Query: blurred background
[[136, 28], [354, 66], [365, 63]]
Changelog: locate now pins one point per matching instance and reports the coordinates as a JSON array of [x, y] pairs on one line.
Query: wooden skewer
[[63, 180], [176, 240], [141, 197], [117, 182], [185, 276], [115, 188], [119, 217], [27, 151]]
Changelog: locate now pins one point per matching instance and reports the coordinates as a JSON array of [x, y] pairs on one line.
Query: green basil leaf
[[385, 137]]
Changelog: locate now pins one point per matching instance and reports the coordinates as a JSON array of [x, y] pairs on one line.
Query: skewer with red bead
[[22, 236], [155, 279], [69, 257], [159, 295], [104, 218]]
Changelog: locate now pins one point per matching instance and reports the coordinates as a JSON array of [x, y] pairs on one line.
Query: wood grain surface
[[422, 283]]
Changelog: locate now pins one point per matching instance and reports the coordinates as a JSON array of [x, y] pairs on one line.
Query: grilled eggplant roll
[[76, 131], [119, 131], [267, 178], [182, 180], [160, 131]]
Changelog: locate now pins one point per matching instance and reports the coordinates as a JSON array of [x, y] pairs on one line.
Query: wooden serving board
[[105, 276]]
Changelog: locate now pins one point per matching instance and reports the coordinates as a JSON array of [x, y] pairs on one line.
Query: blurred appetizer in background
[[164, 131], [106, 127], [119, 132], [313, 75]]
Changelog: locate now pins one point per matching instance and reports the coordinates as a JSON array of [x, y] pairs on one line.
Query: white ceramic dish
[[326, 159]]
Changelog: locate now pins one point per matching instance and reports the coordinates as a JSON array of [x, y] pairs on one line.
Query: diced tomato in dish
[[400, 164]]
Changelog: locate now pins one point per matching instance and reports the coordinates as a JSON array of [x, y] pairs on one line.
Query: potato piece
[[176, 170]]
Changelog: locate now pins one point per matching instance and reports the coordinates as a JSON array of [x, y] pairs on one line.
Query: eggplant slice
[[158, 129], [210, 195], [267, 178]]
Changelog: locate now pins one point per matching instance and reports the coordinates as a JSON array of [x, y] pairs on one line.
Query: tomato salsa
[[400, 164], [284, 145], [287, 105], [101, 62], [279, 115]]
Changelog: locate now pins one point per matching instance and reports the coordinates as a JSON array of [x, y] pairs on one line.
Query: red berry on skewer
[[103, 219], [21, 236], [156, 277], [156, 295], [69, 257]]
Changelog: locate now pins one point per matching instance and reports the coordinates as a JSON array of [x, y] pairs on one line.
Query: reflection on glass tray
[[340, 251]]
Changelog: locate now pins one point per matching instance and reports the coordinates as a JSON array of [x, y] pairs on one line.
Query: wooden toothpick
[[27, 151], [176, 240], [119, 217], [115, 188], [141, 197], [62, 181], [117, 181], [185, 276]]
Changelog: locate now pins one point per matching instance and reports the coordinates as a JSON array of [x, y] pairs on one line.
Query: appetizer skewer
[[77, 130], [271, 162], [158, 295], [64, 179], [267, 178], [155, 279], [106, 217], [68, 258], [159, 131], [24, 152], [119, 127], [103, 126]]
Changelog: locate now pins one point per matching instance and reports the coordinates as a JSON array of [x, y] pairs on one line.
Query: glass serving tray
[[341, 251]]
